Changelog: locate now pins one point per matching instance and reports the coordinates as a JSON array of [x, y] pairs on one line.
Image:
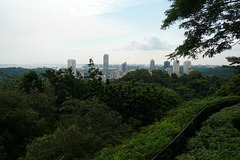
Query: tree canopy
[[234, 63], [212, 26]]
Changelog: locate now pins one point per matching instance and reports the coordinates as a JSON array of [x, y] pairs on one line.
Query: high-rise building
[[176, 67], [169, 71], [72, 64], [116, 74], [105, 64], [187, 67], [152, 65], [166, 64], [124, 67]]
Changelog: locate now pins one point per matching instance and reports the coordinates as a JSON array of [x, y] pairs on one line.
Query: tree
[[85, 127], [139, 74], [20, 120], [232, 87], [159, 76], [212, 26], [30, 81], [94, 73], [65, 84], [234, 63]]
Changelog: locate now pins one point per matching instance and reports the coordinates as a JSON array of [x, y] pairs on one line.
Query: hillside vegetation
[[55, 115], [219, 138], [153, 138]]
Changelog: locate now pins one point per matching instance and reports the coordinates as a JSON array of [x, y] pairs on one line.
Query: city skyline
[[53, 31], [121, 70]]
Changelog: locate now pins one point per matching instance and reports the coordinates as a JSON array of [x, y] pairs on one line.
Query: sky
[[53, 31]]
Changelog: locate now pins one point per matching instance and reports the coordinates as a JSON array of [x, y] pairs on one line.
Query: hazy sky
[[52, 31]]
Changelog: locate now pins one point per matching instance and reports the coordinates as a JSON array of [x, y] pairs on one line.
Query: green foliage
[[23, 117], [141, 103], [144, 103], [234, 63], [84, 128], [232, 87], [159, 76], [59, 115], [218, 138], [191, 86], [223, 72], [66, 85], [153, 138], [94, 73], [211, 26], [31, 81], [139, 74]]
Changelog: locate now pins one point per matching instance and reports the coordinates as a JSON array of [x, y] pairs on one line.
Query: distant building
[[85, 68], [80, 71], [124, 67], [169, 71], [152, 65], [117, 74], [186, 67], [190, 70], [166, 64], [176, 67], [72, 64], [105, 64]]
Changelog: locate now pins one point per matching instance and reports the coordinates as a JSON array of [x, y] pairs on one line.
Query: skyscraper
[[72, 64], [152, 65], [186, 67], [176, 67], [124, 67], [166, 64], [105, 64]]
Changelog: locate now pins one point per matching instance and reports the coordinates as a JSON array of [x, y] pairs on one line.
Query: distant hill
[[17, 72]]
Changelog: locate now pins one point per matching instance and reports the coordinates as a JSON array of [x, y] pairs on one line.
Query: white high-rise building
[[152, 65], [176, 67], [105, 64], [117, 74], [187, 67], [72, 64], [169, 71]]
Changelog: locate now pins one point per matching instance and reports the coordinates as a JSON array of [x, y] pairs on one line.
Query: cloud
[[86, 8], [60, 19], [151, 43], [93, 7]]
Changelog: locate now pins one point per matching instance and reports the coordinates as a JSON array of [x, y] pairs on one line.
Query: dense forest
[[74, 117], [55, 115]]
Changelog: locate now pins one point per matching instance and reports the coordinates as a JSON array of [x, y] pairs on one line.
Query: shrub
[[153, 138], [217, 139]]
